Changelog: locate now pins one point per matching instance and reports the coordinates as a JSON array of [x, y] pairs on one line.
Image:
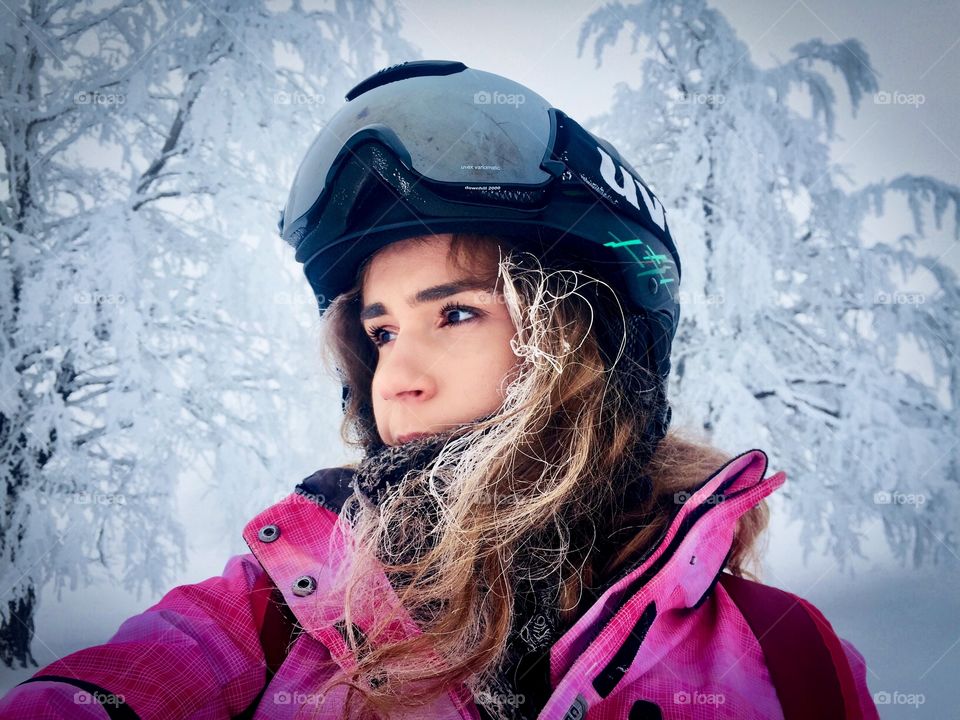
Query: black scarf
[[525, 676]]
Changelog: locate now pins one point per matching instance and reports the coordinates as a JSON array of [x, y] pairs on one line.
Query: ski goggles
[[465, 132]]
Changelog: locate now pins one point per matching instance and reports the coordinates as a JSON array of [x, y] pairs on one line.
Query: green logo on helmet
[[656, 265]]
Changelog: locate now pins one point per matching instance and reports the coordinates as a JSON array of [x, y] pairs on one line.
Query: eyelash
[[374, 333]]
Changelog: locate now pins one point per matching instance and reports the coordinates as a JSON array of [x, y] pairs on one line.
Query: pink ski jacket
[[665, 641]]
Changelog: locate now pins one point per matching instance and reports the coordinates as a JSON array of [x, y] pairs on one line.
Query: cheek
[[482, 360]]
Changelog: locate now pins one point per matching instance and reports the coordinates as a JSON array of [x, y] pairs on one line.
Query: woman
[[522, 537]]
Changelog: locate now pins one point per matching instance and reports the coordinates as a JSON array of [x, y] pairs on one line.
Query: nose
[[403, 373]]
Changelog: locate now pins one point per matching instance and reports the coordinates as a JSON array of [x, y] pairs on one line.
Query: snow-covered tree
[[791, 324], [145, 328]]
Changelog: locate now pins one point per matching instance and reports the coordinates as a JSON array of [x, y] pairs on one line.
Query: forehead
[[399, 259], [420, 260]]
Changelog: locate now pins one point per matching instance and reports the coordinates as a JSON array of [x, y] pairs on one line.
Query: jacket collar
[[677, 572], [680, 569]]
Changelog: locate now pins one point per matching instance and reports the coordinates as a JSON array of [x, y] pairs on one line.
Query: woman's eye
[[445, 312], [374, 335]]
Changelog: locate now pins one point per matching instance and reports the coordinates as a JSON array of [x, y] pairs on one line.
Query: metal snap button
[[268, 533], [304, 585]]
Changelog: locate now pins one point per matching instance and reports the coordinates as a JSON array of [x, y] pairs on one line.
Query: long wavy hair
[[527, 492]]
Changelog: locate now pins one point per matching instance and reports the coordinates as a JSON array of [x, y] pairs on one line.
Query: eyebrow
[[437, 292]]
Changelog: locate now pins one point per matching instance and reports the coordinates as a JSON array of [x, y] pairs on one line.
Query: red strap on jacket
[[844, 672], [803, 653]]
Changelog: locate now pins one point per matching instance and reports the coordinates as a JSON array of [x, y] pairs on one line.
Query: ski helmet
[[429, 147]]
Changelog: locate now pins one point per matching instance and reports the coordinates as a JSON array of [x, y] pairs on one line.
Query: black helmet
[[434, 146]]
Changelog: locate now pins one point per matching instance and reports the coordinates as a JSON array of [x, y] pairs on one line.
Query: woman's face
[[444, 355]]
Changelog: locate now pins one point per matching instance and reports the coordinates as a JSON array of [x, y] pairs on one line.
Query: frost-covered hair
[[526, 492]]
